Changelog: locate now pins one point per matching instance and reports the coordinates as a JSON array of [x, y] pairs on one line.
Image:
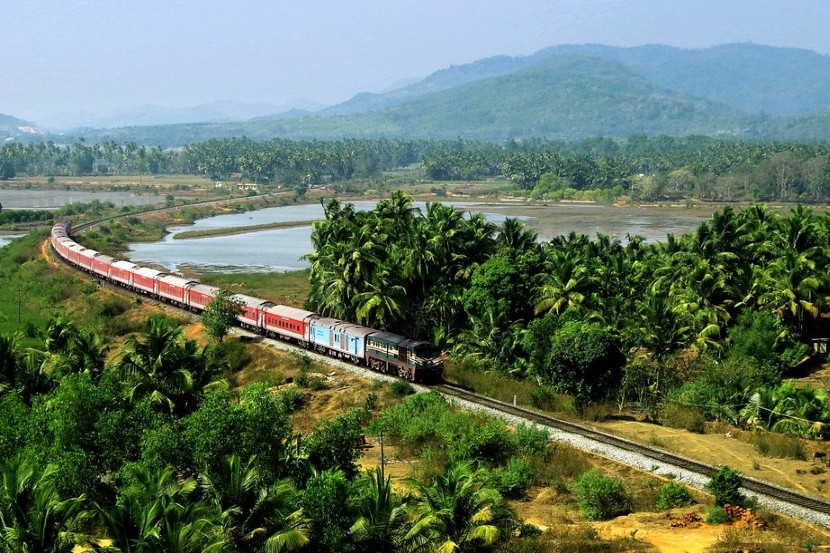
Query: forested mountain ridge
[[752, 78], [563, 97], [565, 92]]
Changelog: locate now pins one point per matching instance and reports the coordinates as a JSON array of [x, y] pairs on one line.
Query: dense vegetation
[[711, 321], [598, 168]]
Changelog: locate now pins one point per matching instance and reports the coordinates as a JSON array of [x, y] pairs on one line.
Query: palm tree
[[380, 305], [457, 512], [259, 516], [566, 284], [162, 365], [9, 362], [515, 236], [792, 287], [382, 514], [33, 517], [160, 512]]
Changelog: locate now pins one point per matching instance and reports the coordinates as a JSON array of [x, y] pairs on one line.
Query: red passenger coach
[[174, 288], [199, 295], [63, 247], [86, 256], [122, 271], [73, 252], [145, 279], [288, 322], [252, 309], [101, 265]]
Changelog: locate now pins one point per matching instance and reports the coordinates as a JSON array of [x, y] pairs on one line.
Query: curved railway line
[[803, 504]]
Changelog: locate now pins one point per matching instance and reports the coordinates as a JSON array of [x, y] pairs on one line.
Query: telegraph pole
[[382, 459]]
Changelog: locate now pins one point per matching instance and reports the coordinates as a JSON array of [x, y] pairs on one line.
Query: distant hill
[[566, 92], [748, 77], [151, 115], [13, 128]]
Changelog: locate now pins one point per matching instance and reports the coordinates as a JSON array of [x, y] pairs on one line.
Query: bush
[[489, 441], [531, 440], [717, 515], [675, 415], [673, 495], [543, 397], [781, 446], [514, 479], [601, 497], [292, 398], [725, 486], [401, 388]]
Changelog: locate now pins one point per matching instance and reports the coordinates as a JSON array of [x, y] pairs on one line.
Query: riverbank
[[191, 234]]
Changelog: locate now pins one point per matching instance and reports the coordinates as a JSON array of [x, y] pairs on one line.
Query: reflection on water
[[281, 249]]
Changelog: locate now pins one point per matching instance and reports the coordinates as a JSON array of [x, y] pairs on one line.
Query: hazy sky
[[100, 56]]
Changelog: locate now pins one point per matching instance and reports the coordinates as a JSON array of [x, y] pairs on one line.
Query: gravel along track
[[644, 457]]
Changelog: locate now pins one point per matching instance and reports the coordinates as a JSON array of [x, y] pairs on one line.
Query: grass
[[283, 288], [502, 388], [679, 416], [782, 446]]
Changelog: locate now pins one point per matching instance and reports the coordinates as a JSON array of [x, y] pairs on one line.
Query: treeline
[[18, 216], [641, 167], [644, 168], [709, 319]]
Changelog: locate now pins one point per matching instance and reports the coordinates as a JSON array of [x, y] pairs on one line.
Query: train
[[381, 351]]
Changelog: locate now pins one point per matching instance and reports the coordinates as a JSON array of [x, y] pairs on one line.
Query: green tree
[[381, 514], [33, 517], [584, 361], [325, 501], [220, 315], [725, 486], [458, 512], [163, 365], [259, 515], [335, 443]]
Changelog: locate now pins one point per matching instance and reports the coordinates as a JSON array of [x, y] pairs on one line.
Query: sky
[[102, 56]]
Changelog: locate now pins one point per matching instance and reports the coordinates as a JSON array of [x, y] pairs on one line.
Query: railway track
[[801, 501], [750, 484]]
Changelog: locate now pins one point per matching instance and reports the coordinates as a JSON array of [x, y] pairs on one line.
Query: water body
[[51, 199], [6, 238], [281, 249]]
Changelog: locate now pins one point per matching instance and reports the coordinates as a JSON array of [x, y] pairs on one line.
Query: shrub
[[489, 441], [673, 495], [675, 415], [292, 398], [514, 479], [401, 388], [531, 440], [781, 446], [725, 486], [717, 515], [601, 497], [543, 397]]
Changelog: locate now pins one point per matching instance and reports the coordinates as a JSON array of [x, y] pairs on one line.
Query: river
[[282, 249]]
